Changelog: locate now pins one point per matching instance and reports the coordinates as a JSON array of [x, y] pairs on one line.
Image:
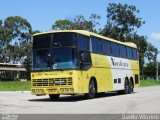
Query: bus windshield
[[55, 52], [58, 58], [54, 40]]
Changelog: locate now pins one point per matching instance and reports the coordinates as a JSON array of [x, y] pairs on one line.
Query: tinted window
[[129, 53], [96, 45], [41, 41], [122, 51], [115, 49], [41, 59], [58, 58], [64, 39], [106, 47], [83, 42], [135, 54]]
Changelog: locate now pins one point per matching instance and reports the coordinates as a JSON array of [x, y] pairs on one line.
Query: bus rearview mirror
[[82, 57]]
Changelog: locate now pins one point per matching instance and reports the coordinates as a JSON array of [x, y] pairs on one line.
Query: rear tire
[[131, 88], [126, 87], [54, 97], [92, 90]]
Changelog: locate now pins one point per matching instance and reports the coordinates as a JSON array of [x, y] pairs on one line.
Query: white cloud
[[155, 36]]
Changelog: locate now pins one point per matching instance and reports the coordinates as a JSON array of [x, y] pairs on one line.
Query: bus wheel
[[92, 90], [126, 87], [131, 88], [54, 97]]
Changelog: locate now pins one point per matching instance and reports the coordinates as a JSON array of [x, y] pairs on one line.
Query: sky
[[43, 13]]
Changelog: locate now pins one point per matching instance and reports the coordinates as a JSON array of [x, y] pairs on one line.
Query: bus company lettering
[[119, 63]]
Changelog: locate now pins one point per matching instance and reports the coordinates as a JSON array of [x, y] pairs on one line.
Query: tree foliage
[[62, 25], [150, 70], [151, 53], [15, 32], [121, 21], [78, 23]]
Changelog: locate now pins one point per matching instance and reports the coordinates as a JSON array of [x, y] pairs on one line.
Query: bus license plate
[[38, 91]]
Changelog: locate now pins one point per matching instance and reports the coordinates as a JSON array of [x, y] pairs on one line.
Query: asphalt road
[[144, 100]]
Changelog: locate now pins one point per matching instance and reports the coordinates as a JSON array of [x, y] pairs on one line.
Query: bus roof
[[87, 33]]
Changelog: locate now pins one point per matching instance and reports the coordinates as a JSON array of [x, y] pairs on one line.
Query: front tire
[[54, 97], [92, 90]]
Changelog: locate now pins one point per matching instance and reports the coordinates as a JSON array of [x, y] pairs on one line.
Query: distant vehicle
[[81, 62]]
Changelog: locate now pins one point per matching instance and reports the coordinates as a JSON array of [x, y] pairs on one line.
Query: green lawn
[[25, 86], [15, 86], [149, 82]]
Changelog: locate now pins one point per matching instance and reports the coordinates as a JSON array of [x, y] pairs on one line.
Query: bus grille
[[52, 82]]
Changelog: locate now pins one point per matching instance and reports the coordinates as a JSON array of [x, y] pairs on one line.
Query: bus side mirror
[[82, 57], [85, 60]]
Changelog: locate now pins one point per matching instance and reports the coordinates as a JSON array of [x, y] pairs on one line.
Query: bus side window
[[129, 53], [135, 57], [96, 45], [118, 50], [115, 49], [122, 51], [83, 42], [106, 46]]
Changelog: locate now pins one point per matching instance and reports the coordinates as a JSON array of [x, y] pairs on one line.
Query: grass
[[25, 86], [15, 86], [149, 83]]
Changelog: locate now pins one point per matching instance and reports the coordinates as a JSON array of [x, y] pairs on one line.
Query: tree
[[15, 40], [121, 21], [150, 70], [5, 38], [79, 23], [62, 25], [14, 33], [151, 53]]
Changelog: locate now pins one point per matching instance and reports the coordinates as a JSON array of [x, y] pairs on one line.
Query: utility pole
[[157, 76]]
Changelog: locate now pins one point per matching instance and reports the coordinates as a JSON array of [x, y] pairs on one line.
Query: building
[[12, 72]]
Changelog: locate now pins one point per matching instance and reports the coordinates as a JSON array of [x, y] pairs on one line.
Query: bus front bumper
[[58, 90]]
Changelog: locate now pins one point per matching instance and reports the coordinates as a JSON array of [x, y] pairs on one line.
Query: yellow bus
[[69, 62]]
